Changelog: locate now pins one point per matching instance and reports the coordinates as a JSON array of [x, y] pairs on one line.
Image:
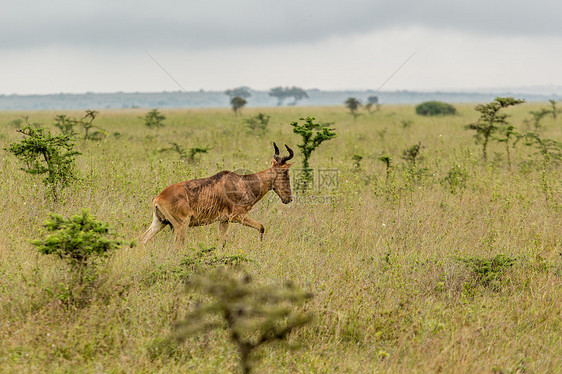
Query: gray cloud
[[211, 24]]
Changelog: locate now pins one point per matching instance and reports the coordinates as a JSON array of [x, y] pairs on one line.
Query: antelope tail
[[165, 217]]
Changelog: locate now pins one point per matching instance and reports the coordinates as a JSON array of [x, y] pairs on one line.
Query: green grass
[[394, 266]]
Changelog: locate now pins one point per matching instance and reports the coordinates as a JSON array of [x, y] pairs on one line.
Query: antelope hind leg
[[154, 229], [180, 232]]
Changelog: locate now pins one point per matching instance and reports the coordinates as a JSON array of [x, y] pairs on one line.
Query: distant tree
[[237, 103], [491, 120], [279, 93], [435, 108], [297, 94], [372, 100], [353, 105], [282, 93], [243, 92]]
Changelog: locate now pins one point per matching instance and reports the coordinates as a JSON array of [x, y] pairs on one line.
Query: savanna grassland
[[449, 265]]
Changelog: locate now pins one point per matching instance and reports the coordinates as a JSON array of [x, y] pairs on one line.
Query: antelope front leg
[[247, 221], [223, 228]]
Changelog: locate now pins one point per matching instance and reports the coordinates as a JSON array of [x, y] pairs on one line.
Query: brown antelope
[[225, 197]]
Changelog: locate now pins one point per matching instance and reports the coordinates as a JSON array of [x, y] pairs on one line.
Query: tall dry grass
[[384, 259]]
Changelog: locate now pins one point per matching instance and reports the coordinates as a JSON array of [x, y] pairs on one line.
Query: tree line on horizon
[[239, 95]]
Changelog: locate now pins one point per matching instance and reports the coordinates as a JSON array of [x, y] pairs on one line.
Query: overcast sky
[[106, 46]]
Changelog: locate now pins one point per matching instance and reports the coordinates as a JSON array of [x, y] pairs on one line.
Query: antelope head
[[281, 181]]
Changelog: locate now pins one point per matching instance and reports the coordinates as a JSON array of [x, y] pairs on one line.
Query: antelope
[[224, 197]]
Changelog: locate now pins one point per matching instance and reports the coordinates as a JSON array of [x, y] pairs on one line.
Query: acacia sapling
[[253, 315], [491, 119], [43, 153], [312, 134]]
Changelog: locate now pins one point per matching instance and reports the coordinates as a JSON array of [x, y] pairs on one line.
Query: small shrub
[[190, 154], [194, 151], [412, 154], [406, 123], [79, 240], [387, 161], [257, 123], [154, 119], [537, 116], [17, 123], [158, 347], [65, 124], [206, 257], [455, 179], [487, 271], [435, 108], [357, 161]]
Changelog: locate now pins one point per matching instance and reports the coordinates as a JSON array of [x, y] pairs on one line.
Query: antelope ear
[[287, 165], [272, 163]]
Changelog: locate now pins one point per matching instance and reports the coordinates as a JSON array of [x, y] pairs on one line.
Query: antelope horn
[[290, 156], [276, 155]]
